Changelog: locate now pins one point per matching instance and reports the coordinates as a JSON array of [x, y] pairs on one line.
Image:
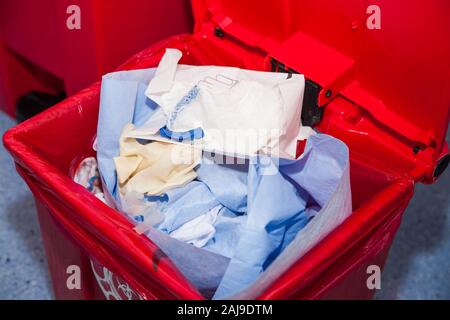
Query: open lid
[[391, 58]]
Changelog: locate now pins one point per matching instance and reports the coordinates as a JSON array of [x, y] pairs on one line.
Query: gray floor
[[418, 266], [23, 267]]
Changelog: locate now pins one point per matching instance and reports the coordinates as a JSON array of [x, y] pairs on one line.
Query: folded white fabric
[[241, 112], [199, 230]]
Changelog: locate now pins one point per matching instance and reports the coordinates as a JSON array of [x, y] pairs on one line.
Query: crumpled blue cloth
[[227, 181], [185, 204], [228, 231], [122, 101], [216, 184], [283, 196], [266, 201], [275, 206]]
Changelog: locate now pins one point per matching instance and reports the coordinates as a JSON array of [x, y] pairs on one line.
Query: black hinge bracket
[[311, 112]]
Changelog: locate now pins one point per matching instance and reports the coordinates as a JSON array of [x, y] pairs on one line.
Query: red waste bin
[[39, 52], [382, 91]]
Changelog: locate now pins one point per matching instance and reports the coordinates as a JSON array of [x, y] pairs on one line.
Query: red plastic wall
[[397, 78], [34, 40]]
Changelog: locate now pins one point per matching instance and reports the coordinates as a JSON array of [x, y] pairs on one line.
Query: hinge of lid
[[311, 112]]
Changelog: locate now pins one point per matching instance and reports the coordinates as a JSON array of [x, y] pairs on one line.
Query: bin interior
[[64, 146], [59, 138]]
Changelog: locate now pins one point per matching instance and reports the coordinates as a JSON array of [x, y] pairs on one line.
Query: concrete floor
[[23, 267], [418, 266]]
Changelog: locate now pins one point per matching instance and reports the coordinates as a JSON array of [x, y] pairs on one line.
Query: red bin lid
[[392, 58]]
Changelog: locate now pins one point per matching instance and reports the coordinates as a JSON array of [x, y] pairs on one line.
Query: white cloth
[[241, 112], [199, 230]]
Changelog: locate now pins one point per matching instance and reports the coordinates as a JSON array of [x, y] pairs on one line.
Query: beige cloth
[[156, 167]]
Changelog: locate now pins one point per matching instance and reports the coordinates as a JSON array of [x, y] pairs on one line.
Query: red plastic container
[[381, 91], [39, 52]]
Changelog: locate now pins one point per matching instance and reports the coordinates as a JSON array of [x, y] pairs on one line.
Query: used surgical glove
[[154, 167]]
